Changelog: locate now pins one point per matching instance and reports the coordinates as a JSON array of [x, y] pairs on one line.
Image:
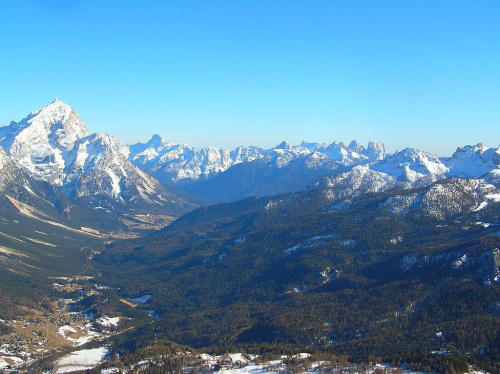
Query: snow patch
[[10, 251], [63, 329], [481, 206], [494, 197], [460, 262], [141, 300], [440, 352], [291, 250], [349, 243], [240, 240], [302, 356], [238, 357], [108, 321], [84, 359], [396, 240], [40, 242], [110, 371], [322, 237]]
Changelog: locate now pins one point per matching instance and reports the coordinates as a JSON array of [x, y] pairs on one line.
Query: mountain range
[[343, 248], [220, 175], [54, 145]]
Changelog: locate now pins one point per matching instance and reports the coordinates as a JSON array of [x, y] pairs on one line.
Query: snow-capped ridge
[[473, 161], [405, 169], [464, 182], [410, 165], [182, 164]]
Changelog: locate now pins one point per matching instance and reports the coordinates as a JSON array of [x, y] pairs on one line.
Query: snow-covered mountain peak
[[356, 147], [410, 164], [313, 146], [376, 151], [40, 141], [109, 142], [55, 113], [56, 123], [473, 161], [412, 154]]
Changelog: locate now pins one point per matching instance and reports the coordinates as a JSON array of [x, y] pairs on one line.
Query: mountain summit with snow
[[41, 141], [54, 145], [473, 161]]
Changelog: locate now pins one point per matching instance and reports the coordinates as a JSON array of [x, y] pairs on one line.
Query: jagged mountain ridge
[[410, 169], [223, 175], [179, 163]]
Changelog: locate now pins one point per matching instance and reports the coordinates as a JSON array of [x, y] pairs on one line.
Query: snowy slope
[[402, 170], [18, 183], [446, 198], [412, 166], [353, 154]]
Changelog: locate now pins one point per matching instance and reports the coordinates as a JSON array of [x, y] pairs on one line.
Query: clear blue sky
[[424, 74]]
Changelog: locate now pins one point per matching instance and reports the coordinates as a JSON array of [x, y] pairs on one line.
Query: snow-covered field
[[108, 321], [81, 360], [85, 334], [9, 361]]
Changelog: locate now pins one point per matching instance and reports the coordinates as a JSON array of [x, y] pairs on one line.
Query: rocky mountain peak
[[412, 162], [376, 150], [56, 124], [356, 147], [157, 140], [40, 141], [283, 145]]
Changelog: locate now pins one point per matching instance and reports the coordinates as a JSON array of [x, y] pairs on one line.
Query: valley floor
[[37, 335]]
